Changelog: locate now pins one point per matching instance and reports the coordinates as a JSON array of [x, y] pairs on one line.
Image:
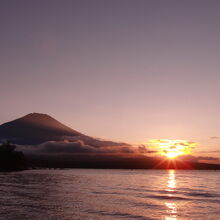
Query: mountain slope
[[35, 128]]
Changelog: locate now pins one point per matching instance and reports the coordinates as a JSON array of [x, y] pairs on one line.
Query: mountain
[[35, 128], [52, 144]]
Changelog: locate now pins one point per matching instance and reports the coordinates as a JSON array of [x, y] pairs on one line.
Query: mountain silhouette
[[48, 139], [35, 128]]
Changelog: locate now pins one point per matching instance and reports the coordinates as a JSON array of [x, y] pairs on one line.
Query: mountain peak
[[40, 119], [37, 114], [35, 126], [37, 117]]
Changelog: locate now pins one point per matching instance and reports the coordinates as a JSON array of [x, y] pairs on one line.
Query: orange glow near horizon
[[172, 148]]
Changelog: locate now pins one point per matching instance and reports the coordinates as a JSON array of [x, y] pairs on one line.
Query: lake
[[110, 194]]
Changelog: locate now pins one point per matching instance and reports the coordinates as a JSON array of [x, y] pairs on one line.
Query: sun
[[172, 155], [172, 148]]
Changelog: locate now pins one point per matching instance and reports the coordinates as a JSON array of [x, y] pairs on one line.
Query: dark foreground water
[[110, 194]]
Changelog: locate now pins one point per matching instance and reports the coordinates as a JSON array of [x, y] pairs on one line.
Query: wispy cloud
[[209, 158], [214, 137]]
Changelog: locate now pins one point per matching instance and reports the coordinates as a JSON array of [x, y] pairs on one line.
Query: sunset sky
[[128, 70]]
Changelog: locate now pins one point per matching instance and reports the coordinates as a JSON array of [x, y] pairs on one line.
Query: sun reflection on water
[[171, 207], [171, 183]]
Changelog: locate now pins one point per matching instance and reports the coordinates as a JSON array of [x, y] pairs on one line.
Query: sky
[[128, 70]]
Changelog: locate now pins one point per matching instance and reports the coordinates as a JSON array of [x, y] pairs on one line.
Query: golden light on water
[[171, 211], [171, 184], [172, 148], [171, 207]]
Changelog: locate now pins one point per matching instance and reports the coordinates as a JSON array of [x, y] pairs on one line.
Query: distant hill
[[35, 128], [113, 162]]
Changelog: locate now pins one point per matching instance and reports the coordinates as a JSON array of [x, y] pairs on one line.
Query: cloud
[[209, 158], [169, 147], [191, 158], [90, 146], [188, 158], [87, 146], [93, 141], [74, 150], [143, 149], [66, 147], [214, 137], [208, 152]]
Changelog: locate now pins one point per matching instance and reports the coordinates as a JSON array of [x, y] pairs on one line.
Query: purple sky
[[128, 70]]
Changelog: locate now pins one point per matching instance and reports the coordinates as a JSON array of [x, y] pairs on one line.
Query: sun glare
[[172, 148]]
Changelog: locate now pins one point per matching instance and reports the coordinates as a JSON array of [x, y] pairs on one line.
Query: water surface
[[109, 194]]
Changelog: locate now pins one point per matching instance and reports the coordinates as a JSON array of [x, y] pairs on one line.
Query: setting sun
[[172, 154], [172, 148]]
